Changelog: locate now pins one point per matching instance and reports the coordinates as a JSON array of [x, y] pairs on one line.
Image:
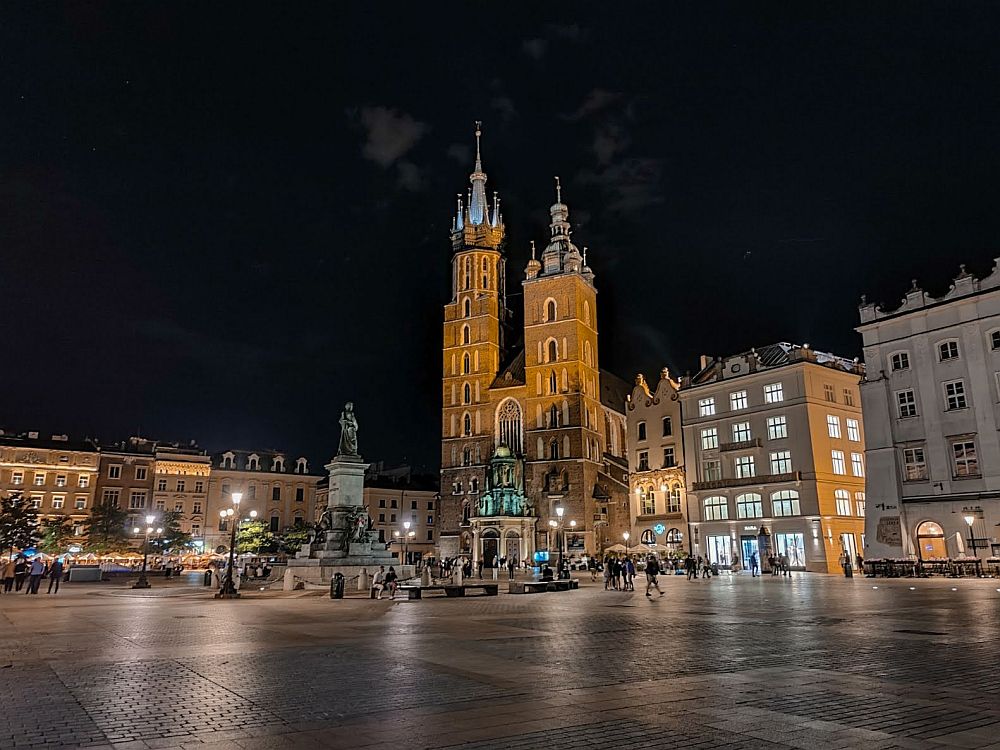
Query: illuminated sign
[[659, 528]]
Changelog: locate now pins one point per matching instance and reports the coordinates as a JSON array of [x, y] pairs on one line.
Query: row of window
[[780, 463], [253, 463], [669, 459], [783, 503], [39, 478], [412, 518], [964, 461], [947, 351], [647, 499], [413, 504], [250, 493], [953, 392], [738, 400], [667, 424], [59, 501]]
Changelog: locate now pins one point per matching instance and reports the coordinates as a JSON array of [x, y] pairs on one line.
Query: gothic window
[[588, 355], [466, 335], [554, 450], [553, 350], [486, 272], [465, 364], [466, 456], [586, 312], [565, 380], [539, 449], [553, 385], [466, 393], [509, 426], [565, 450], [467, 424], [466, 512], [553, 416], [550, 310], [468, 273], [467, 308]]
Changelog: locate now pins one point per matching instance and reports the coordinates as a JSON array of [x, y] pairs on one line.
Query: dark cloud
[[594, 101], [571, 31], [460, 152], [505, 106], [534, 48], [630, 184], [410, 176], [389, 133]]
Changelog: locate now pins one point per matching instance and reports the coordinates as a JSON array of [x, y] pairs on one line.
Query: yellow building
[[546, 399], [774, 450], [181, 485], [59, 476]]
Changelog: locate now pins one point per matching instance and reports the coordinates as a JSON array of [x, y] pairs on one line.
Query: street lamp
[[406, 541], [626, 536], [231, 515], [970, 518], [143, 582], [560, 511]]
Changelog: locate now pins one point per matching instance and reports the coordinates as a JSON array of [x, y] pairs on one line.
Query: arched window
[[550, 310], [565, 380], [539, 449], [465, 364], [486, 273], [586, 312], [467, 424], [468, 273], [467, 308], [647, 505], [674, 499], [749, 505], [554, 450], [785, 503], [553, 416], [466, 335], [716, 508], [301, 465], [253, 462], [466, 393], [510, 426], [466, 511], [278, 464], [588, 355], [674, 538], [552, 350]]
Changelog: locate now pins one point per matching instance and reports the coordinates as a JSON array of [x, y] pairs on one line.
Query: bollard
[[425, 576], [208, 577], [364, 580], [337, 586]]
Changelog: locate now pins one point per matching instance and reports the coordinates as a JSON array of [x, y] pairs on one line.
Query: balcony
[[742, 445], [721, 484]]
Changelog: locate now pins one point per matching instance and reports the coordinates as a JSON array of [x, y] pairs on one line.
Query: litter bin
[[208, 578], [337, 586], [848, 570]]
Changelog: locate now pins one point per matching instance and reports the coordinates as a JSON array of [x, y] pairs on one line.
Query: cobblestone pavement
[[810, 662]]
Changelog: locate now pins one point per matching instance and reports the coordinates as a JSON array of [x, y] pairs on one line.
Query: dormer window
[[278, 464], [301, 465], [228, 461], [253, 462]]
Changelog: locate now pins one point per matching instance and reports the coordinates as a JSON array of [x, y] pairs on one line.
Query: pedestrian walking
[[7, 575], [35, 572], [629, 574], [55, 575], [652, 571], [785, 568], [706, 570], [754, 566], [689, 566]]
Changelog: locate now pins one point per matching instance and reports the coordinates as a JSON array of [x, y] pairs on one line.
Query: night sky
[[221, 222]]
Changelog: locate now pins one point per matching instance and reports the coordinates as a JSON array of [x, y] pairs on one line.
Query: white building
[[931, 409]]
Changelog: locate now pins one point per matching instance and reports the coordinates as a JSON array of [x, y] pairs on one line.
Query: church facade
[[527, 415]]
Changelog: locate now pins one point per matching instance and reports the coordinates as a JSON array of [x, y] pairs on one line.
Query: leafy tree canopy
[[56, 535], [18, 523], [106, 530]]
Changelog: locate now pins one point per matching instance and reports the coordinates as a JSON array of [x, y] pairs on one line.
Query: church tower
[[475, 326], [564, 416]]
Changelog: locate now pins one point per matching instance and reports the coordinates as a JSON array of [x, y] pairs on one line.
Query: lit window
[[777, 428], [785, 503], [741, 432], [828, 393], [859, 503], [711, 471], [647, 501], [857, 464], [749, 505], [641, 430], [58, 501], [674, 499], [843, 502], [668, 457], [668, 427], [706, 407], [60, 480], [954, 395], [114, 471], [966, 463], [738, 400], [899, 361], [745, 467], [709, 438], [773, 393], [39, 478], [839, 465], [833, 425], [781, 462], [914, 464], [948, 350], [643, 460], [853, 430], [83, 480], [140, 473], [716, 508], [906, 404]]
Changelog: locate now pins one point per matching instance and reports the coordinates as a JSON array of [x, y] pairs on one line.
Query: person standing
[[20, 571], [652, 571], [7, 571], [754, 565], [35, 572], [689, 564], [785, 568], [511, 564], [55, 575], [629, 574]]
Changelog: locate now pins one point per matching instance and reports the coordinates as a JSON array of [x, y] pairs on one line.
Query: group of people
[[385, 579], [778, 564], [619, 573], [20, 573]]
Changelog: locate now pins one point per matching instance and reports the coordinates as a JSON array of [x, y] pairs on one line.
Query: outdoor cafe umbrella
[[615, 548]]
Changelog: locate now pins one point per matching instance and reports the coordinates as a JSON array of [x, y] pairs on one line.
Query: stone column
[[347, 481]]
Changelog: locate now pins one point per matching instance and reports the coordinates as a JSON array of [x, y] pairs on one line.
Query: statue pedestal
[[318, 564]]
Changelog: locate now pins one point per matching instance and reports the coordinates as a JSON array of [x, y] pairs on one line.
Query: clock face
[[734, 368]]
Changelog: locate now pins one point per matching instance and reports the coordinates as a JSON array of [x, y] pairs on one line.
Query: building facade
[[932, 409], [405, 516], [58, 475], [126, 477], [281, 490], [657, 487], [546, 399], [774, 447]]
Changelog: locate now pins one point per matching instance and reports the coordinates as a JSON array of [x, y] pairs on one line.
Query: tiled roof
[[512, 373], [614, 390]]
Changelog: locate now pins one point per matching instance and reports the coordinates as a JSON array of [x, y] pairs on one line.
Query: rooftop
[[766, 357]]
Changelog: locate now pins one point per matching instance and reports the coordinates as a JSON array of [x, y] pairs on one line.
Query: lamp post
[[970, 518], [626, 536], [559, 535], [143, 582], [231, 515], [406, 541]]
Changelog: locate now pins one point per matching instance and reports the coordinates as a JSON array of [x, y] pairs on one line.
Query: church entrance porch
[[502, 536]]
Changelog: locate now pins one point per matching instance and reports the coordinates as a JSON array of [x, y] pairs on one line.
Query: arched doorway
[[512, 545], [491, 547], [466, 543], [675, 540], [930, 541]]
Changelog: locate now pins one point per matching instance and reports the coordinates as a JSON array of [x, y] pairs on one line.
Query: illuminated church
[[530, 423]]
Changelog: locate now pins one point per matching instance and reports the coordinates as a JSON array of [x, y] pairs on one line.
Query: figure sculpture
[[348, 431]]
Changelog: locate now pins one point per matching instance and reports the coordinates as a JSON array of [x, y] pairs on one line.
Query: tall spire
[[478, 210]]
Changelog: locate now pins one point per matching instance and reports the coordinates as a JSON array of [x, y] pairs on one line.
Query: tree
[[105, 529], [255, 537], [292, 538], [18, 523], [56, 534], [172, 539]]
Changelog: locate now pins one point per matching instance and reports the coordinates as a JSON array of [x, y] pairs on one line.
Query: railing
[[719, 484], [741, 445]]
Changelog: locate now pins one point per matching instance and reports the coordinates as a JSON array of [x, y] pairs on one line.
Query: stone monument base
[[319, 572]]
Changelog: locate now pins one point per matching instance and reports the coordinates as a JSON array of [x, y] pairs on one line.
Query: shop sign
[[889, 531], [659, 528]]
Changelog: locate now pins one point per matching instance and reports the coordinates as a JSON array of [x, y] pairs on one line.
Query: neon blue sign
[[659, 528]]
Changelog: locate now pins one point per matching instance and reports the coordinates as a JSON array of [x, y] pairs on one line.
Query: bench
[[416, 592], [532, 587]]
